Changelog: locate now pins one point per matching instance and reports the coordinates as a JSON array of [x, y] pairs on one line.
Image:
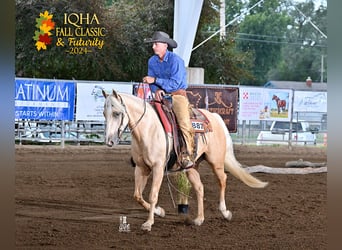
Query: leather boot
[[186, 161]]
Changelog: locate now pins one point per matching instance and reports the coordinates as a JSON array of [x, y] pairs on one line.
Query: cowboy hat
[[162, 37]]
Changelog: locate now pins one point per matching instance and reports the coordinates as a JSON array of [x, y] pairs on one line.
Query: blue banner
[[44, 100]]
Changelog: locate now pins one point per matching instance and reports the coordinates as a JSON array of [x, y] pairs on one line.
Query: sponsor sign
[[220, 100], [44, 99], [90, 101], [265, 104], [309, 101]]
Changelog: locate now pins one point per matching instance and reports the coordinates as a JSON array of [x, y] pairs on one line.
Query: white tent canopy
[[186, 17]]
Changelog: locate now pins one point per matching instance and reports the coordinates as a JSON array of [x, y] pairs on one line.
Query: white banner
[[308, 101], [264, 104], [89, 102], [251, 103], [186, 17]]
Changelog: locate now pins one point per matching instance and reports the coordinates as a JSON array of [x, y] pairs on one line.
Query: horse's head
[[274, 97], [116, 117]]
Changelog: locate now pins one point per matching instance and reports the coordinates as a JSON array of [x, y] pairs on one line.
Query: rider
[[167, 75]]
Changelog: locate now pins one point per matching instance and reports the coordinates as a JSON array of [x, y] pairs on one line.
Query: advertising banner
[[265, 104], [90, 101], [251, 106], [220, 100], [39, 99], [309, 101]]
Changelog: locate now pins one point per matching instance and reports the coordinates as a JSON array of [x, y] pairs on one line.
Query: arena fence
[[245, 110], [91, 132]]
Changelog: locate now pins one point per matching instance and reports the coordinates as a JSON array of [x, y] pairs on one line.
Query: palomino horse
[[149, 152]]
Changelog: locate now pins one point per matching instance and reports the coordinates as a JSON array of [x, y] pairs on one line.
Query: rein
[[140, 118]]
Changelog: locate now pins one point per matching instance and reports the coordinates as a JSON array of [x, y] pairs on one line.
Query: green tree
[[306, 47], [136, 20], [124, 55], [261, 33], [222, 61]]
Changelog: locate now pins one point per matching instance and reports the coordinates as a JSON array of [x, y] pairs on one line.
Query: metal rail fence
[[93, 132], [248, 132]]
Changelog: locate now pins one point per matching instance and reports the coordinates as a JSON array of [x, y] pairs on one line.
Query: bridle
[[122, 128], [132, 127]]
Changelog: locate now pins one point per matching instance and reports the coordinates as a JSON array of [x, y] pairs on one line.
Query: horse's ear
[[104, 93], [115, 94]]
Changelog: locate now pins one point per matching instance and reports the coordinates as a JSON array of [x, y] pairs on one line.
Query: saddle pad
[[199, 121], [162, 116]]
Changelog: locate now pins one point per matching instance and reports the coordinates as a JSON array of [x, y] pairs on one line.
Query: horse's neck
[[143, 120]]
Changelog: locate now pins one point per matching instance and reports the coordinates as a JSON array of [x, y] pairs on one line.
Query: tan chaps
[[181, 108]]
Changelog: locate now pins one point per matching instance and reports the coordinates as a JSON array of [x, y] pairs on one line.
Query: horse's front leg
[[141, 178], [141, 175], [197, 184], [157, 173]]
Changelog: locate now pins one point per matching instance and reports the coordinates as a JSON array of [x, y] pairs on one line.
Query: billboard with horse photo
[[265, 104]]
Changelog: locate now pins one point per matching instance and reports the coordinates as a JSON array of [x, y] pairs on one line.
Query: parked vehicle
[[280, 130]]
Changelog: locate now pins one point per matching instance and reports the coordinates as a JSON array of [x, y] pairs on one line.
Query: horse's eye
[[116, 114]]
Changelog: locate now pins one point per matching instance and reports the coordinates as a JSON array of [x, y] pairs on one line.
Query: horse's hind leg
[[222, 178], [197, 184]]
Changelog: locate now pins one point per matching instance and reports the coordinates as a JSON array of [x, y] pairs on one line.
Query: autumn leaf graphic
[[46, 29], [39, 22], [46, 15], [37, 33], [45, 25], [40, 45], [49, 23], [45, 39]]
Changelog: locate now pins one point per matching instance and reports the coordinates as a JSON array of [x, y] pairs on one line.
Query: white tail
[[232, 166]]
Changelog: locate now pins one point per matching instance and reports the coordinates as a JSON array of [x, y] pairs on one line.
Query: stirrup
[[186, 162]]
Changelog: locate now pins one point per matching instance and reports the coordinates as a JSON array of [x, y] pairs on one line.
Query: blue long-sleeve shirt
[[170, 74]]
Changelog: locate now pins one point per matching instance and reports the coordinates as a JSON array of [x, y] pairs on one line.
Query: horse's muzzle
[[112, 141], [110, 144]]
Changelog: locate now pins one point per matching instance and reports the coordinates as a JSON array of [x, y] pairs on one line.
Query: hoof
[[146, 227], [227, 214], [159, 211], [198, 222]]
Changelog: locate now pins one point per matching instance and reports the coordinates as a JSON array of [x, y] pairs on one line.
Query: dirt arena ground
[[72, 198]]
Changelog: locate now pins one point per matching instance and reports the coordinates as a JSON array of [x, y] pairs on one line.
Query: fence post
[[291, 120], [243, 132], [63, 134]]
